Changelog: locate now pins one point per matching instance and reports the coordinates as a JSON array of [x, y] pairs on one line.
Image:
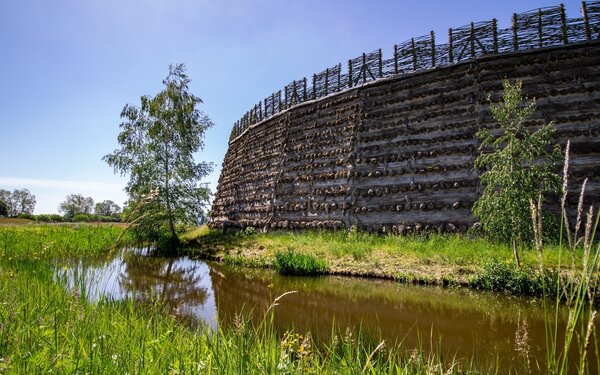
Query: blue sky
[[69, 66]]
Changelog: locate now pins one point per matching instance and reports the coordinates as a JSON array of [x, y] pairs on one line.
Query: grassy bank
[[433, 259]]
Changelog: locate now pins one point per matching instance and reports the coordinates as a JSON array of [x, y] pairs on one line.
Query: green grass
[[51, 241], [293, 263], [423, 259]]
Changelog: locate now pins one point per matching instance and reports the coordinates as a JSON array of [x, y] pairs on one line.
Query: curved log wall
[[397, 154]]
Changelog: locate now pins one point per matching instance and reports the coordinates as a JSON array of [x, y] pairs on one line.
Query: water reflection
[[461, 322], [181, 284]]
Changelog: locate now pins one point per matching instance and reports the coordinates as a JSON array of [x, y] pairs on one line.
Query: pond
[[453, 322]]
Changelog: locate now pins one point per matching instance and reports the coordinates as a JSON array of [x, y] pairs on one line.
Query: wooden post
[[272, 104], [285, 97], [450, 51], [279, 107], [326, 81], [363, 70], [339, 83], [586, 21], [304, 89], [260, 112], [294, 94], [515, 34], [314, 87], [395, 59], [349, 73], [432, 48], [380, 65], [495, 35], [472, 40], [563, 24], [266, 110], [414, 54], [540, 30]]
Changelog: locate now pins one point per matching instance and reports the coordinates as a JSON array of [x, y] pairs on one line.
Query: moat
[[455, 322]]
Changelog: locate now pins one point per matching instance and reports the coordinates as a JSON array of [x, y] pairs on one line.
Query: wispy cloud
[[17, 182]]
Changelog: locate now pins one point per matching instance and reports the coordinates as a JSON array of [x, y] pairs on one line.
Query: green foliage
[[517, 167], [75, 204], [293, 263], [81, 218], [504, 277], [157, 145], [249, 231], [3, 209], [26, 216], [45, 242], [107, 208], [17, 202]]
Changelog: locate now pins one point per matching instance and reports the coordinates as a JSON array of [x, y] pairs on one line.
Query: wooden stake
[[586, 21], [540, 31], [450, 51], [304, 89], [395, 59], [363, 70], [432, 48], [495, 35], [472, 40], [414, 53], [314, 87], [515, 34], [326, 81], [349, 73], [339, 83], [380, 65], [272, 104], [563, 24]]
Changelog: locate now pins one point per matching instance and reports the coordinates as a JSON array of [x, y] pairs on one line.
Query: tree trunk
[[516, 253], [168, 196]]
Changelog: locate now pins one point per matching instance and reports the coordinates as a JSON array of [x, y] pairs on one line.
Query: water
[[459, 323]]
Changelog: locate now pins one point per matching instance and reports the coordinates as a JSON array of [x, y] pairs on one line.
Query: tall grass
[[57, 241], [294, 263], [580, 334]]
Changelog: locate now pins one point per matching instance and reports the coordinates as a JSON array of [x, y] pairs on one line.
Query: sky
[[68, 67]]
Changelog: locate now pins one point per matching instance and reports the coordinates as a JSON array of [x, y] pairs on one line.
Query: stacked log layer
[[397, 155]]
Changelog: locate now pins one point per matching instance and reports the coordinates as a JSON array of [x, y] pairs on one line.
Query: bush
[[43, 218], [504, 277], [26, 216], [249, 231], [56, 218], [292, 263], [85, 218]]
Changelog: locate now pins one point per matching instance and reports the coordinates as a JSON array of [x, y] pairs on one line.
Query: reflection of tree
[[174, 282]]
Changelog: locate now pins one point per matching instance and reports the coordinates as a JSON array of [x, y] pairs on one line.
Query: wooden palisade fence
[[540, 28]]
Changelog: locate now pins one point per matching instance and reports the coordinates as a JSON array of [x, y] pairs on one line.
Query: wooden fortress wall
[[397, 154]]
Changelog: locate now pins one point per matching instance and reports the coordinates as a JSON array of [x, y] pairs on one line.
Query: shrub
[[26, 216], [81, 218], [504, 277], [249, 231], [292, 263], [43, 218], [56, 218]]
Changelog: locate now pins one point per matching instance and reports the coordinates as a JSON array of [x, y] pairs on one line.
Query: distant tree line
[[20, 203], [16, 203]]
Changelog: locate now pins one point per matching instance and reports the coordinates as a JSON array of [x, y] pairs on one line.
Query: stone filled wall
[[396, 155]]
